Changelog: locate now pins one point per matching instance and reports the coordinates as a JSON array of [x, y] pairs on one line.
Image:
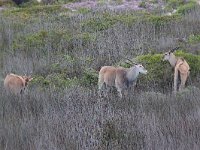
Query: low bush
[[183, 9], [89, 77], [194, 39], [54, 80]]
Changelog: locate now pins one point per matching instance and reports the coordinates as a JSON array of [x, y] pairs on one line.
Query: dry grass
[[78, 119]]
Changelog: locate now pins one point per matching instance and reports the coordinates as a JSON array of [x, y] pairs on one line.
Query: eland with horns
[[180, 66], [119, 77]]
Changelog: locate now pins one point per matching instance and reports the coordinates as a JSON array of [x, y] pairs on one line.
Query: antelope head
[[168, 55], [140, 68], [27, 79]]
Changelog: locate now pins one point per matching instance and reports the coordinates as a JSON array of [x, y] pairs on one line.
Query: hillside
[[63, 45]]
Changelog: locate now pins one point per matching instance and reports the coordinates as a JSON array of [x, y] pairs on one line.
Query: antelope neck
[[132, 73], [173, 60]]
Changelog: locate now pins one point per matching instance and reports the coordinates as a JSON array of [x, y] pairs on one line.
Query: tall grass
[[78, 119]]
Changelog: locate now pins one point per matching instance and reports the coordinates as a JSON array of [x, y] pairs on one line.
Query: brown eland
[[119, 77], [180, 66], [16, 84]]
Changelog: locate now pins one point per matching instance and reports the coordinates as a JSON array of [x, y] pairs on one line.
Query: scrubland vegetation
[[64, 49]]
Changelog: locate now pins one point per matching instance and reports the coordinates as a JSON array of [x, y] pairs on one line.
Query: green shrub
[[59, 76], [37, 41], [59, 80], [187, 7], [194, 39], [30, 42], [159, 72], [98, 24], [89, 77], [36, 38], [162, 20], [105, 21], [39, 81], [54, 80]]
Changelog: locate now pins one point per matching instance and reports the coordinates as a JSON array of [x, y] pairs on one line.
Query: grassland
[[64, 49]]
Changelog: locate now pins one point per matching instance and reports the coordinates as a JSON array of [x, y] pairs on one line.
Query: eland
[[119, 77], [16, 84], [180, 66]]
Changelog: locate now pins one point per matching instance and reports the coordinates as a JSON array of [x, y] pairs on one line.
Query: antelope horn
[[174, 49], [128, 63], [131, 61]]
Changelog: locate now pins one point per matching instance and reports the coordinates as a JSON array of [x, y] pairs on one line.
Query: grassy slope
[[63, 33]]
